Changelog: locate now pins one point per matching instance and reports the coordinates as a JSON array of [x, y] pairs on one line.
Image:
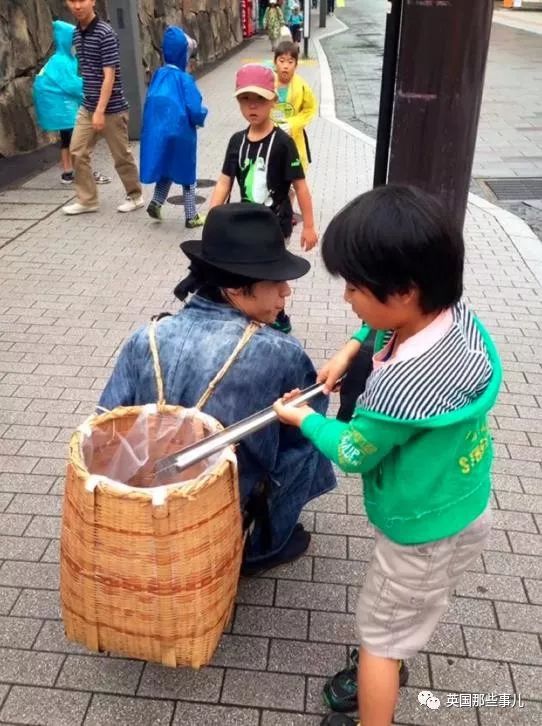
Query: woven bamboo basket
[[149, 573]]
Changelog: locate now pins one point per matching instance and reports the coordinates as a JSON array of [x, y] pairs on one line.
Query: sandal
[[340, 693]]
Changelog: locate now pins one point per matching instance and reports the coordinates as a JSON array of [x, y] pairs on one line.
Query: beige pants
[[83, 142], [407, 589]]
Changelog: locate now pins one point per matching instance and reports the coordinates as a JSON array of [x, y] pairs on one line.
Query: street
[[72, 289]]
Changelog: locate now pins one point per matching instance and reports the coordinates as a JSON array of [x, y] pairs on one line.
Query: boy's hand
[[292, 415], [98, 120], [309, 238], [331, 371]]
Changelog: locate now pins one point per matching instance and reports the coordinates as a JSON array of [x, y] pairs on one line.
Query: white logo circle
[[423, 696]]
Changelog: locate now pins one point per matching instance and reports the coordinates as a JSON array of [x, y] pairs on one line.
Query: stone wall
[[25, 42], [215, 24]]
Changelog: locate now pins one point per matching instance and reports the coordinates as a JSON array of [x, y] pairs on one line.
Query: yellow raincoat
[[295, 113]]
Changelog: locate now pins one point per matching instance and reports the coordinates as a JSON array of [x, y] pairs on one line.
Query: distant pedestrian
[[58, 93], [173, 111], [264, 159], [296, 104], [104, 111], [330, 6], [273, 20], [296, 23]]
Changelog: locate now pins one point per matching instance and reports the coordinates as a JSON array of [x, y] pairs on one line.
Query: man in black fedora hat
[[239, 274]]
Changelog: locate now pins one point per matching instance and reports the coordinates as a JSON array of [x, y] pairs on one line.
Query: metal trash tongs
[[232, 435]]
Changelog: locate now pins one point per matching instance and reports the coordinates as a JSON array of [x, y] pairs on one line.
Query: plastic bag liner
[[128, 455]]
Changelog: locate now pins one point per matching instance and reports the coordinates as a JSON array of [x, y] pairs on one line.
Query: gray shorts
[[408, 588]]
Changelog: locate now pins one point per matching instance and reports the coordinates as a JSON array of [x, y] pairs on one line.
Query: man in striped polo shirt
[[104, 111]]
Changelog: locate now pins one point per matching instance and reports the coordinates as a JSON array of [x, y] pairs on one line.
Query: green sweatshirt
[[423, 479]]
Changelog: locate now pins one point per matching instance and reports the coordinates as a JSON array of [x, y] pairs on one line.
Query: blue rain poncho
[[173, 109], [58, 89]]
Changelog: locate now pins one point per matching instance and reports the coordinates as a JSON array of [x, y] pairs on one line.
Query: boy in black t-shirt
[[263, 158]]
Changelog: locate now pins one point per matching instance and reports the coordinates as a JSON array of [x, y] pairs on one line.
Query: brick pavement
[[71, 290]]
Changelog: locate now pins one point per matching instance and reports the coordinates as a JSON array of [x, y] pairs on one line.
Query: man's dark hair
[[395, 238], [205, 277], [287, 47]]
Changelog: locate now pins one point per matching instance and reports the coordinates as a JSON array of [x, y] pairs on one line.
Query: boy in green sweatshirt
[[419, 435]]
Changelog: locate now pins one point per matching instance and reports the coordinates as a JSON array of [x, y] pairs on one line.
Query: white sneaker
[[131, 204], [78, 208]]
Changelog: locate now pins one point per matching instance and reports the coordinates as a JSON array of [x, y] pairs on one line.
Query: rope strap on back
[[247, 335], [156, 363]]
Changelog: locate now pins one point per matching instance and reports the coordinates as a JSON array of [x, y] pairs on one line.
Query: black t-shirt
[[265, 170]]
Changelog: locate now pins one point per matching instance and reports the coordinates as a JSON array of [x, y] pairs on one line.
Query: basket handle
[[247, 335], [156, 363]]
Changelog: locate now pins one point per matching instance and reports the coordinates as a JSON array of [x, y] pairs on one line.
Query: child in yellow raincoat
[[296, 104]]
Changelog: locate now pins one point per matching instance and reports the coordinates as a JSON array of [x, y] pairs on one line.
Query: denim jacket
[[193, 345]]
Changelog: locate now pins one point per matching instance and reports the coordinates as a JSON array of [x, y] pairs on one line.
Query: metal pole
[[232, 435], [440, 76], [306, 27], [387, 92], [323, 13]]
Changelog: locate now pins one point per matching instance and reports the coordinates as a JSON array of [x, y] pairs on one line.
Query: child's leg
[[161, 190], [406, 591], [65, 157], [193, 219], [66, 160], [189, 193], [378, 688]]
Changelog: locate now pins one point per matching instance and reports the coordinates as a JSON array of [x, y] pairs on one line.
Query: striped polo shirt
[[97, 47]]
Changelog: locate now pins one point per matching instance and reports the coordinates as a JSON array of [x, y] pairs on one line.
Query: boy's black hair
[[287, 47], [395, 238]]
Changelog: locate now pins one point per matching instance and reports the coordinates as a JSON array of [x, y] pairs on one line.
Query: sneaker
[[338, 719], [78, 208], [101, 178], [282, 323], [68, 177], [131, 204], [197, 221], [340, 693], [154, 210]]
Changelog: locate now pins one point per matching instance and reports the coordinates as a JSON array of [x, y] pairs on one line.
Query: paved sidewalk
[[71, 290]]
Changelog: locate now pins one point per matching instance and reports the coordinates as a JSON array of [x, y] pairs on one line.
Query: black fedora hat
[[246, 239]]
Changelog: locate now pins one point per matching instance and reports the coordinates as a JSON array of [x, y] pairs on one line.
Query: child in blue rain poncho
[[173, 110], [58, 93]]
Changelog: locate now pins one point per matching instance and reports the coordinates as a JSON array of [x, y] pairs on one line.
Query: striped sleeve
[[109, 50]]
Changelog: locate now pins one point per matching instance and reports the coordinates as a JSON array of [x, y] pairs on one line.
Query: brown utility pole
[[443, 49]]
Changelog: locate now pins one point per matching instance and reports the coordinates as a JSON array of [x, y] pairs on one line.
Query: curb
[[522, 236]]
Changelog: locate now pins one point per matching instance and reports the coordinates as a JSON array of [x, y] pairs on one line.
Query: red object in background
[[247, 23]]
